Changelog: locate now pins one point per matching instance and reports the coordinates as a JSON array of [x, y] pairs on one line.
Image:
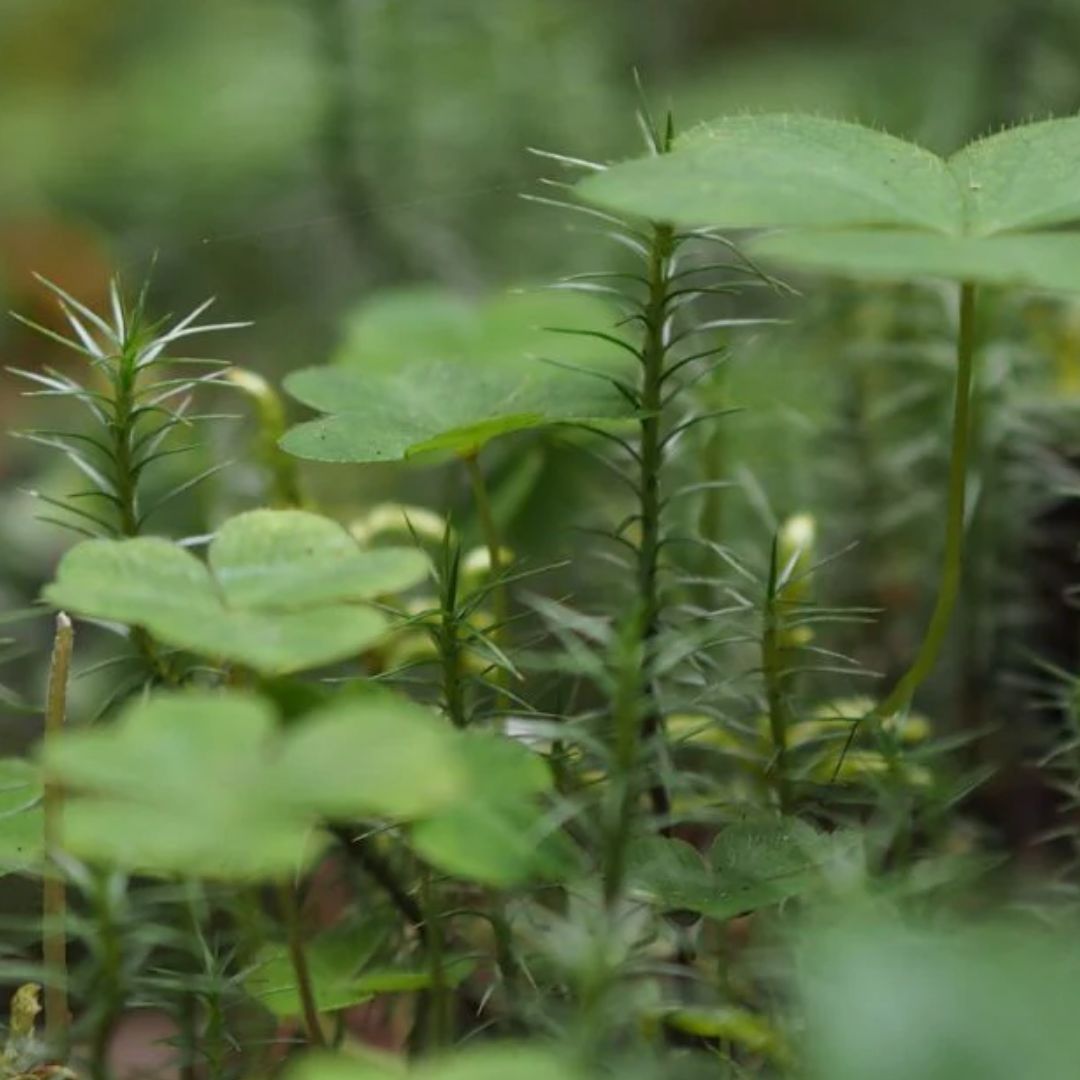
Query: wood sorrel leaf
[[498, 834], [279, 594], [207, 783], [422, 371], [861, 203], [181, 783]]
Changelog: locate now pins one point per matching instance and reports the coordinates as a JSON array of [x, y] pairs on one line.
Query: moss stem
[[54, 893]]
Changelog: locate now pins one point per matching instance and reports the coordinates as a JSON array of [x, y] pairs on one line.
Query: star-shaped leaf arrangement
[[208, 784], [421, 370], [279, 593], [862, 203]]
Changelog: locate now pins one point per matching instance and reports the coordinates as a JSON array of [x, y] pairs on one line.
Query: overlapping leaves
[[421, 370], [862, 203], [279, 593], [207, 784]]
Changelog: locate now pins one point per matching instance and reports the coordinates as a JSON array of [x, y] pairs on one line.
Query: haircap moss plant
[[856, 202]]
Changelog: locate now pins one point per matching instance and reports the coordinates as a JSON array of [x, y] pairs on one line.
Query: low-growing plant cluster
[[712, 781]]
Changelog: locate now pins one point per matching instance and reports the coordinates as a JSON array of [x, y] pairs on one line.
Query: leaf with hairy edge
[[858, 202]]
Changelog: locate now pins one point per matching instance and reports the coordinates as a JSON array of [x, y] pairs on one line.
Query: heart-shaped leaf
[[278, 596], [498, 835], [864, 203], [209, 784], [423, 371]]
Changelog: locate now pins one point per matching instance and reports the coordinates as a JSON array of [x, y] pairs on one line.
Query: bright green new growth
[[207, 784], [870, 204], [279, 593], [421, 370]]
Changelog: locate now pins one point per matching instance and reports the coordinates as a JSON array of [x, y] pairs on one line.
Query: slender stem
[[625, 788], [654, 353], [482, 502], [772, 665], [108, 995], [439, 1033], [298, 958], [54, 900], [270, 411], [952, 566]]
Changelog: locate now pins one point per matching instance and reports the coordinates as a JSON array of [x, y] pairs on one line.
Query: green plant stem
[[282, 468], [927, 656], [625, 790], [439, 1026], [108, 994], [654, 353], [54, 893], [298, 959], [122, 432], [500, 600], [772, 666]]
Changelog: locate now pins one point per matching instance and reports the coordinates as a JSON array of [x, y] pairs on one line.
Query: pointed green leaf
[[421, 371], [275, 597]]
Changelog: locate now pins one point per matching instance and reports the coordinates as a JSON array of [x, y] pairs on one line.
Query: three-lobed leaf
[[280, 592], [423, 371], [208, 784], [862, 203]]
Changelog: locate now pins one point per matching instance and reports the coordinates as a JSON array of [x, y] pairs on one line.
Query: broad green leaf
[[209, 784], [278, 595], [495, 1061], [498, 834], [860, 203], [181, 783], [784, 170], [421, 371], [896, 1001], [1022, 178], [373, 752], [280, 559], [751, 865], [1033, 260], [21, 820]]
